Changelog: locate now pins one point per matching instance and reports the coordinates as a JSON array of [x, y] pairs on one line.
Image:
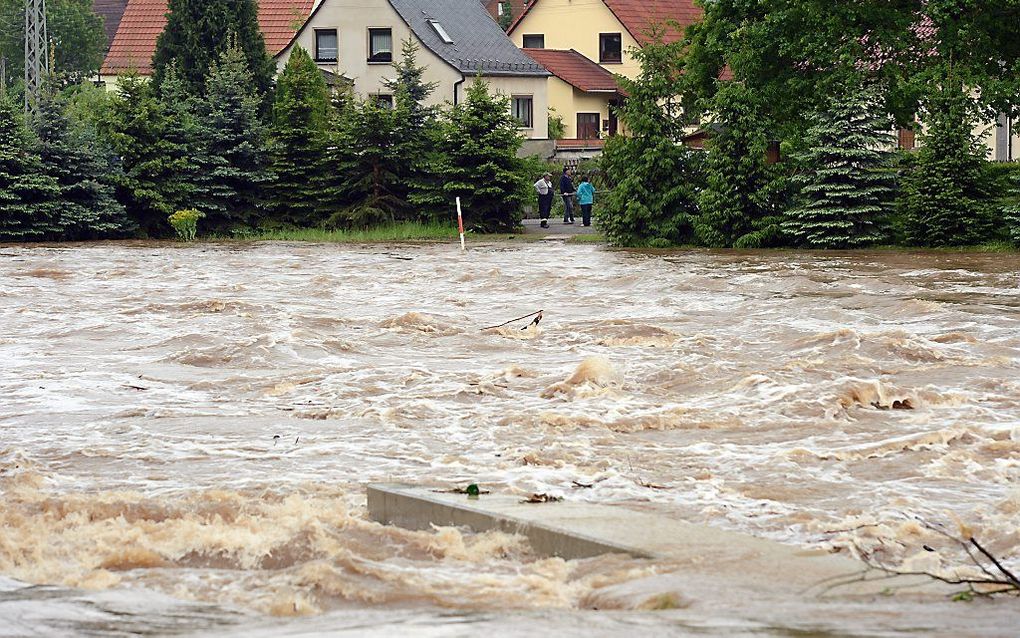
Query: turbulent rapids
[[200, 421]]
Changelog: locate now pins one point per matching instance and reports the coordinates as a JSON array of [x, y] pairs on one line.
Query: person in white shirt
[[544, 188]]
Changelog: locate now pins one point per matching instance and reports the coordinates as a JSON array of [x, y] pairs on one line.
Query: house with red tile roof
[[111, 11], [601, 30], [585, 96], [142, 21]]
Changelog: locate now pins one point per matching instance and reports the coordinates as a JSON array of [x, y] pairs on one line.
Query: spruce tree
[[416, 128], [198, 31], [365, 161], [946, 198], [187, 131], [653, 177], [29, 198], [298, 145], [83, 167], [479, 164], [846, 191], [154, 181], [234, 140], [740, 205]]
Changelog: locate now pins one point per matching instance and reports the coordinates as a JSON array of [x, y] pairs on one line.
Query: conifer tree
[[365, 163], [154, 180], [946, 198], [1012, 212], [740, 205], [83, 167], [188, 132], [234, 143], [845, 192], [479, 164], [29, 198], [653, 177], [298, 143], [196, 34], [416, 127]]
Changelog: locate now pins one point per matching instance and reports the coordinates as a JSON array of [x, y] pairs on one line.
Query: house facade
[[360, 39], [603, 31], [586, 98]]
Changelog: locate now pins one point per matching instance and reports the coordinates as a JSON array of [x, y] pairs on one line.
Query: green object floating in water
[[473, 491]]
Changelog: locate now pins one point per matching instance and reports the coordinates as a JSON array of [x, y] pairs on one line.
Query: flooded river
[[187, 430]]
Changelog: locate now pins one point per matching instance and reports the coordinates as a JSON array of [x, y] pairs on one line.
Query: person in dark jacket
[[567, 192]]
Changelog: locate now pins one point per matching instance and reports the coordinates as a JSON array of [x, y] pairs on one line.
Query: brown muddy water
[[186, 431]]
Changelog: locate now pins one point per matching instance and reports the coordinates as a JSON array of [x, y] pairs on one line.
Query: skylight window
[[440, 31]]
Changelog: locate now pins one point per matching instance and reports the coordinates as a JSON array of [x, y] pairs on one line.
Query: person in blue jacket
[[567, 191], [585, 198]]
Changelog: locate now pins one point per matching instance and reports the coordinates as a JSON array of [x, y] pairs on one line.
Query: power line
[[37, 58]]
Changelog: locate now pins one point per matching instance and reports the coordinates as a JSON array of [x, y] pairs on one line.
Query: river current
[[187, 430]]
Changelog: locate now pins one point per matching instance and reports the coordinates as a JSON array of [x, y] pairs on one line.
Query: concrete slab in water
[[580, 530]]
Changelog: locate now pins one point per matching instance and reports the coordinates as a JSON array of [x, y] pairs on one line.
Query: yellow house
[[584, 43], [585, 96], [601, 30]]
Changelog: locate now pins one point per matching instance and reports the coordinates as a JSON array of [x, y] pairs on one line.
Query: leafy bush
[[185, 223]]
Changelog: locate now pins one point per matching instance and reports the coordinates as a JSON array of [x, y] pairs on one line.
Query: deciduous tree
[[75, 33]]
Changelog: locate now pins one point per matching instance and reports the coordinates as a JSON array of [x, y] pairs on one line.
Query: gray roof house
[[457, 40]]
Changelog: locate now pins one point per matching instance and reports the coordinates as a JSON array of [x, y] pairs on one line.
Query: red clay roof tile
[[575, 69], [144, 20], [637, 16]]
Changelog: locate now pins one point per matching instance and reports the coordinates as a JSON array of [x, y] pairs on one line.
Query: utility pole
[[3, 76], [37, 58]]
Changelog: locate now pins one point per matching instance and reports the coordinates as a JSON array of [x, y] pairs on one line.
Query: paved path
[[556, 227]]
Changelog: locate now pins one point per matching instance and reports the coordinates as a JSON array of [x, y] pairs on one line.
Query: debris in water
[[537, 315], [470, 490], [542, 498]]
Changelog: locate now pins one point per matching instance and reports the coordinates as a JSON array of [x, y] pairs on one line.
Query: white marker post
[[460, 225]]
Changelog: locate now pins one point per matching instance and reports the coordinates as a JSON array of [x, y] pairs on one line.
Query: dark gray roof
[[479, 45]]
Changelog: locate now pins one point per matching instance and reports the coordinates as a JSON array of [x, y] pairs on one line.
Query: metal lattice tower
[[37, 58]]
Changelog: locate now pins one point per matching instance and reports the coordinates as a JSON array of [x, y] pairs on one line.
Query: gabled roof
[[111, 11], [575, 69], [478, 45], [637, 16], [144, 20], [516, 7]]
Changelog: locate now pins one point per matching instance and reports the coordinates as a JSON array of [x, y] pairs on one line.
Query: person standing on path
[[544, 188], [567, 192], [585, 198]]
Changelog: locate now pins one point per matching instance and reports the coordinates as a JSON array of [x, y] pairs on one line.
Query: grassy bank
[[409, 231]]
